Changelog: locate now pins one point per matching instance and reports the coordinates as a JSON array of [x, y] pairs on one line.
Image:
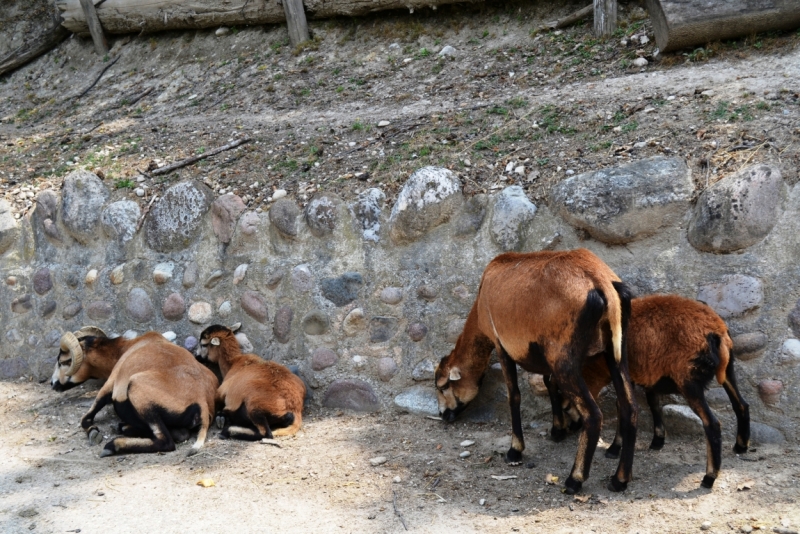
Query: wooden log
[[99, 38], [133, 16], [296, 21], [33, 49], [684, 23], [569, 20], [605, 17]]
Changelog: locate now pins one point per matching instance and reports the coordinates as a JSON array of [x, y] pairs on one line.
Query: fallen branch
[[99, 76], [188, 161], [134, 99], [145, 212], [569, 20], [396, 511], [33, 49]]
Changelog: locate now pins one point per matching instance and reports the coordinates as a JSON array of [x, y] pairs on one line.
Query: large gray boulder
[[9, 229], [176, 218], [322, 214], [225, 211], [119, 220], [738, 211], [429, 198], [512, 215], [733, 296], [626, 203], [82, 200]]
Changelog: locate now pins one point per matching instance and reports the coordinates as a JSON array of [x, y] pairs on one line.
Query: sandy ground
[[53, 480]]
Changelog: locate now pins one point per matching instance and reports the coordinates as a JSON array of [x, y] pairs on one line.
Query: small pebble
[[378, 460], [396, 480], [706, 525], [482, 502], [747, 529], [383, 124], [279, 193], [467, 443], [465, 454]]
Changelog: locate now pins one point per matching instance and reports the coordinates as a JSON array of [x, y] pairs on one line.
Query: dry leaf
[[503, 477], [582, 498], [206, 482], [746, 485], [550, 479]]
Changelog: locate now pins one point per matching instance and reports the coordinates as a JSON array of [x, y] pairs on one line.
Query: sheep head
[[68, 372], [453, 389], [213, 337]]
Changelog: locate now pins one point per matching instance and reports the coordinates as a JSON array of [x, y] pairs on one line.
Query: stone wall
[[363, 297]]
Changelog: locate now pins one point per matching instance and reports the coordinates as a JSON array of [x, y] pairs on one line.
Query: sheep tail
[[725, 346]]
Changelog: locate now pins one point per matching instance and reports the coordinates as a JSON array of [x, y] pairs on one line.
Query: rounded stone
[[214, 278], [770, 391], [302, 281], [53, 338], [224, 309], [200, 312], [283, 215], [255, 306], [91, 277], [190, 275], [120, 219], [738, 211], [33, 341], [139, 306], [419, 400], [244, 343], [427, 292], [225, 210], [48, 308], [176, 218], [239, 273], [343, 289], [190, 343], [734, 296], [626, 203], [387, 368], [11, 280], [82, 197], [22, 304], [461, 293], [382, 329], [14, 336], [351, 394], [354, 322], [417, 331], [162, 273], [472, 215], [72, 279], [790, 351], [273, 277], [248, 223], [282, 327], [423, 370], [315, 323], [9, 227], [391, 295], [512, 214], [174, 307], [100, 310], [42, 281], [749, 346], [367, 210], [117, 275], [71, 310], [322, 358], [454, 329], [430, 196], [321, 214]]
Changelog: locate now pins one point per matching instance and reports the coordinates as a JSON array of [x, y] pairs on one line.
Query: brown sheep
[[546, 311], [71, 372], [678, 345], [258, 398], [155, 386]]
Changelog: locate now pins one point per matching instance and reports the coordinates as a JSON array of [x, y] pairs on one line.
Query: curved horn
[[71, 344], [90, 331]]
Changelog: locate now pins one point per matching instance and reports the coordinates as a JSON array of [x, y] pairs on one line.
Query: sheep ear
[[455, 374], [236, 327], [215, 341]]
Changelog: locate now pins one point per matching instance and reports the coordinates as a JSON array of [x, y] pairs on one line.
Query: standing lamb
[[547, 311], [677, 345], [259, 398]]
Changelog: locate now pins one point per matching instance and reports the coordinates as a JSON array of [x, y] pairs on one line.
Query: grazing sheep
[[678, 345], [546, 311], [154, 386], [259, 398]]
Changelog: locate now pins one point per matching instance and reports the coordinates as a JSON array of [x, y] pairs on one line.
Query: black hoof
[[738, 449], [95, 436], [657, 444], [108, 450], [708, 481], [558, 434], [572, 486], [513, 457], [616, 485], [613, 452]]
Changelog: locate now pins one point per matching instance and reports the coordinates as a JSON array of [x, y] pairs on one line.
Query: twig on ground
[[140, 96], [99, 76], [193, 159], [145, 212], [396, 511], [570, 19]]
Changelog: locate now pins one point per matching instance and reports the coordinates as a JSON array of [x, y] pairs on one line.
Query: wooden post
[[605, 17], [296, 21], [99, 38]]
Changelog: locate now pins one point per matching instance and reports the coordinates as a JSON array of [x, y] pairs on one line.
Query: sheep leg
[[100, 402], [575, 389], [559, 429], [160, 439], [287, 425], [695, 396], [740, 408], [509, 366], [659, 430], [612, 452]]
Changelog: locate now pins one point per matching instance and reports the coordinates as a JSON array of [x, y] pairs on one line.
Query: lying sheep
[[258, 398], [71, 372], [548, 312], [678, 345], [154, 386]]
